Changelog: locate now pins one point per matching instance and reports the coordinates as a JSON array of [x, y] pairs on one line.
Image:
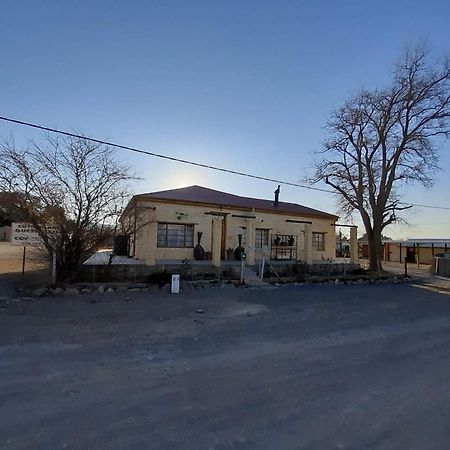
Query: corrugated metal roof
[[422, 242], [200, 194]]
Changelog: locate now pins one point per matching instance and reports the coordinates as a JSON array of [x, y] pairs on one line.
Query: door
[[410, 255]]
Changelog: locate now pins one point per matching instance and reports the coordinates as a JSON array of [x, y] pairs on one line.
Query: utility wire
[[185, 161], [158, 155]]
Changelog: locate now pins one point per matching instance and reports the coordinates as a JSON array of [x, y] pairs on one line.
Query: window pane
[[262, 238], [175, 235], [189, 236], [318, 241], [162, 234]]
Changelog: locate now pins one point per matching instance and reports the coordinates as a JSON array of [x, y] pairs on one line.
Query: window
[[318, 241], [261, 238], [175, 235]]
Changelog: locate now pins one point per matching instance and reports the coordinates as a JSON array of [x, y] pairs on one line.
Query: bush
[[161, 277]]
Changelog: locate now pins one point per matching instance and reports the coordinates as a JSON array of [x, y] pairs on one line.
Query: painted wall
[[425, 253], [154, 212]]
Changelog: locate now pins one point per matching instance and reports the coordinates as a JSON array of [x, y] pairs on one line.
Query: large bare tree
[[71, 189], [381, 139]]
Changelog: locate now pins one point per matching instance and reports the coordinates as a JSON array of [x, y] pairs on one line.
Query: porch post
[[216, 240], [150, 257], [251, 242], [353, 245], [308, 243]]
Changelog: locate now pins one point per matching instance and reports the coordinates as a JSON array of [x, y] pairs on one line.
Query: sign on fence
[[24, 234]]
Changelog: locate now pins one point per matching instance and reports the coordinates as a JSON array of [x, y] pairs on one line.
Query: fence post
[[54, 267], [406, 267], [23, 259]]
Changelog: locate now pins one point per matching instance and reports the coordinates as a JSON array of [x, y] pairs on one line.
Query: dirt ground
[[295, 367], [11, 259]]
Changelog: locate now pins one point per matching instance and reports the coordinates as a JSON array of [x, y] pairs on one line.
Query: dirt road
[[313, 367]]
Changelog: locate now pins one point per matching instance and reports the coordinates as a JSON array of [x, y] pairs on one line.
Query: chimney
[[277, 194]]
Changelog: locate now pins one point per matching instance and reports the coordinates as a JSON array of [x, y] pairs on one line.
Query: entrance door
[[410, 255]]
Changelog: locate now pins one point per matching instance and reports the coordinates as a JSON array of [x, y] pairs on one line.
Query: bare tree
[[70, 189], [381, 139]]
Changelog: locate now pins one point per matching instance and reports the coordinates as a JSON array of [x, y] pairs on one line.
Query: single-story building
[[415, 250], [170, 226]]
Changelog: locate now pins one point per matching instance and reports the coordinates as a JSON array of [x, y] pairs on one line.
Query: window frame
[[187, 243], [319, 243], [265, 237]]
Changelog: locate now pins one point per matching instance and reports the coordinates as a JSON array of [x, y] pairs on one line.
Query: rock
[[71, 291], [109, 290], [200, 311], [86, 290], [40, 292], [58, 291], [101, 289], [134, 289]]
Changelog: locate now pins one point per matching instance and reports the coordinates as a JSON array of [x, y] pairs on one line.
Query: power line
[[185, 161], [158, 155]]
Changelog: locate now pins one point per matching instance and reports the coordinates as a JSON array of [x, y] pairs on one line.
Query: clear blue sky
[[247, 85]]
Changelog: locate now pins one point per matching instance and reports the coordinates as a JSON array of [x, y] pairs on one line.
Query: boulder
[[71, 291], [40, 292]]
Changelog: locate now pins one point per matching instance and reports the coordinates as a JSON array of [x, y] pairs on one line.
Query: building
[[166, 226], [415, 250]]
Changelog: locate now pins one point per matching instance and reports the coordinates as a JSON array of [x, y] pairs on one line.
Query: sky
[[246, 85]]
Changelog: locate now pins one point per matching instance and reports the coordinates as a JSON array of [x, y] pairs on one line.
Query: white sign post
[[175, 287], [24, 234]]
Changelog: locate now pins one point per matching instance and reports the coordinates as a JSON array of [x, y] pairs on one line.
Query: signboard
[[24, 234]]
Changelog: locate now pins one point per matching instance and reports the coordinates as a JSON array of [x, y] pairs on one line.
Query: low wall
[[324, 269], [139, 272], [440, 266]]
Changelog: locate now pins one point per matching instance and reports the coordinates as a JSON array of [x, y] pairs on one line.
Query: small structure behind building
[[415, 250]]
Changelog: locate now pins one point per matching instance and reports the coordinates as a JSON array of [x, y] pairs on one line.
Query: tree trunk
[[374, 244]]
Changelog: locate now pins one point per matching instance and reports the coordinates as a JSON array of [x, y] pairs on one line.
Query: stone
[[101, 289], [71, 291], [40, 292], [109, 290], [58, 291], [86, 290]]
